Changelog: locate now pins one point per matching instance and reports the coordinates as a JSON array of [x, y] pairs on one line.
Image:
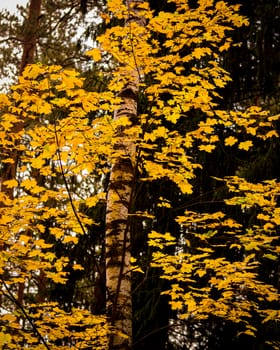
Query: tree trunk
[[120, 193], [29, 47], [118, 278], [29, 44], [9, 170], [30, 35]]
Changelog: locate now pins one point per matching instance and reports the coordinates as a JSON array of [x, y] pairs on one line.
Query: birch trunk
[[118, 239]]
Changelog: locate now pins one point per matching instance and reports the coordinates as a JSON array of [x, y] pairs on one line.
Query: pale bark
[[118, 277], [118, 239]]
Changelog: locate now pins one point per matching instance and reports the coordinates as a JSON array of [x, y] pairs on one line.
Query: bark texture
[[120, 193], [28, 55], [30, 34], [9, 170], [29, 46], [118, 277]]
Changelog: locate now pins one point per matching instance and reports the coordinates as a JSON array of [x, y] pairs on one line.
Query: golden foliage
[[58, 143]]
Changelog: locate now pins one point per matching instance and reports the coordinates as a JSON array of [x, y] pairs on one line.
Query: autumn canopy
[[126, 211]]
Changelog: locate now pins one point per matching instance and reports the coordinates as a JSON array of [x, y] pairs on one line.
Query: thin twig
[[28, 317]]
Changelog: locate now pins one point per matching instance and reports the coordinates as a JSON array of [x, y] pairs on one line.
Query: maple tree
[[171, 60]]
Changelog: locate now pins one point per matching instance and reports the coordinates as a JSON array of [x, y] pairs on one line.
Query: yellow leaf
[[32, 71], [95, 54], [56, 277], [8, 317], [176, 305], [10, 183], [4, 100], [249, 332], [268, 226], [70, 239], [270, 256], [42, 244], [136, 269], [230, 141], [245, 145], [77, 267], [57, 232], [191, 305], [200, 272], [92, 201], [207, 148], [4, 339], [6, 219], [164, 203], [271, 133], [37, 163], [8, 160], [28, 183]]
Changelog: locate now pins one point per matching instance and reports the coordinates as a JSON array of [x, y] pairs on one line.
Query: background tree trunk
[[30, 34], [29, 45], [9, 170]]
